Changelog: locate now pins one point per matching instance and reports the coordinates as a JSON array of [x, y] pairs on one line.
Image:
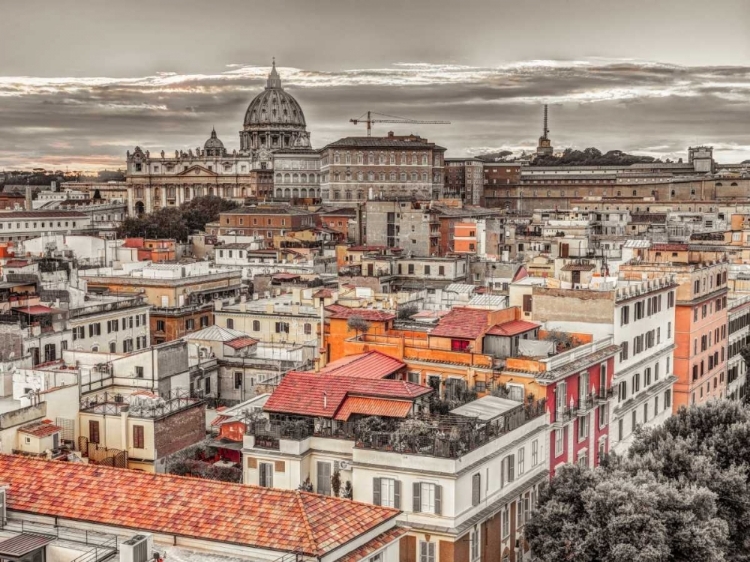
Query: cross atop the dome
[[273, 78]]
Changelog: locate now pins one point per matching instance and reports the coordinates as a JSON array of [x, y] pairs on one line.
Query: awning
[[23, 544]]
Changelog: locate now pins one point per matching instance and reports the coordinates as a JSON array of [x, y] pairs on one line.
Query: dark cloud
[[658, 109]]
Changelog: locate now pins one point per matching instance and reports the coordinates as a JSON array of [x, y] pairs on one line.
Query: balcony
[[269, 434], [603, 395], [585, 404], [442, 436], [561, 416]]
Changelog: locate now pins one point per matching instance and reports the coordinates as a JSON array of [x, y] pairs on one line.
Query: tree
[[164, 223], [358, 324], [407, 311], [336, 483], [202, 210], [592, 516]]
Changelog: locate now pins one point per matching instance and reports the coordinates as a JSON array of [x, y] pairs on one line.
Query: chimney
[[28, 198], [390, 133], [325, 400], [124, 426]]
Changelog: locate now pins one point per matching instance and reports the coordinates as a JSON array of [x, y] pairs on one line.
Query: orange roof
[[369, 365], [512, 328], [370, 548], [40, 429], [312, 394], [344, 312], [266, 518], [373, 407], [464, 323], [239, 343]]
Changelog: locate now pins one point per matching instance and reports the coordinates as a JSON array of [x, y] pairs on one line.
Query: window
[[474, 542], [426, 551], [190, 324], [265, 474], [534, 452], [583, 427], [160, 325], [386, 492], [230, 323], [237, 379], [527, 303], [139, 372], [506, 521], [127, 345], [93, 431], [508, 469], [459, 345], [558, 442], [667, 399], [427, 498], [138, 439], [476, 489], [256, 325], [308, 328], [624, 315], [521, 460], [441, 270], [282, 327]]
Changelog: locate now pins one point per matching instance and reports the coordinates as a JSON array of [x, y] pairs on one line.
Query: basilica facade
[[274, 124]]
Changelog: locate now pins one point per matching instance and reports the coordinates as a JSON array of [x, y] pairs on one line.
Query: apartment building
[[640, 316], [22, 225], [464, 179], [738, 316], [182, 295], [113, 324], [265, 221], [465, 483], [700, 357], [406, 224]]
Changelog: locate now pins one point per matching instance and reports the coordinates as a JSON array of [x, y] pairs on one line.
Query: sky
[[82, 82]]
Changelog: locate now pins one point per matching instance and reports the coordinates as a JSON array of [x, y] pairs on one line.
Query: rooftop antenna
[[545, 132]]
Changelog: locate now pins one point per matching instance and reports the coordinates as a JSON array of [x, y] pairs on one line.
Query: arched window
[[381, 159], [256, 325], [393, 176], [672, 193], [336, 176], [424, 176], [370, 176], [348, 195], [303, 178], [278, 178], [635, 193], [549, 194], [424, 160], [336, 195], [371, 158], [403, 176], [348, 176], [393, 158], [619, 193], [414, 176], [414, 160], [348, 158], [382, 176], [733, 184], [403, 159], [360, 176], [718, 184], [295, 178], [359, 158], [336, 158]]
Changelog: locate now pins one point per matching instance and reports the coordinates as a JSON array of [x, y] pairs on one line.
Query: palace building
[[274, 122]]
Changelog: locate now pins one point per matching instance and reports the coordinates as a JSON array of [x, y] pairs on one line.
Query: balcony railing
[[585, 404], [268, 434], [563, 415], [445, 436]]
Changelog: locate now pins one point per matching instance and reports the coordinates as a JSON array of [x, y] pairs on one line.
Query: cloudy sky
[[83, 81]]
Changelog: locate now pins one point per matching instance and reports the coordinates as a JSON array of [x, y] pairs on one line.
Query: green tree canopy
[[176, 222]]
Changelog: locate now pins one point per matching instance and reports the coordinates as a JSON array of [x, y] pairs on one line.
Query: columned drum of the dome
[[274, 120]]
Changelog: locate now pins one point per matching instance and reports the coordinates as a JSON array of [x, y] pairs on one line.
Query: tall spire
[[545, 131], [213, 132], [273, 78]]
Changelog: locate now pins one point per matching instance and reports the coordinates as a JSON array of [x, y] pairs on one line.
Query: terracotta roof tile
[[239, 343], [266, 518], [373, 407], [371, 547], [369, 365], [512, 328], [313, 394], [465, 323], [40, 429], [344, 312]]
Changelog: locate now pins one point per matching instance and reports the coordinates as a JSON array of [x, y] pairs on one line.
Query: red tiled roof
[[313, 394], [464, 323], [373, 407], [40, 429], [323, 294], [286, 276], [512, 328], [370, 548], [370, 365], [344, 312], [670, 247], [239, 343], [16, 263], [218, 420], [36, 309], [265, 518]]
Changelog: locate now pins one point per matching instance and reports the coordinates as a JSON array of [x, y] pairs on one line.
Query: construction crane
[[390, 119]]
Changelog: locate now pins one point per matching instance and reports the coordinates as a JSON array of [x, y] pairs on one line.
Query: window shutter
[[511, 467], [438, 500], [397, 494], [417, 503], [502, 473], [252, 462], [376, 491], [475, 489]]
